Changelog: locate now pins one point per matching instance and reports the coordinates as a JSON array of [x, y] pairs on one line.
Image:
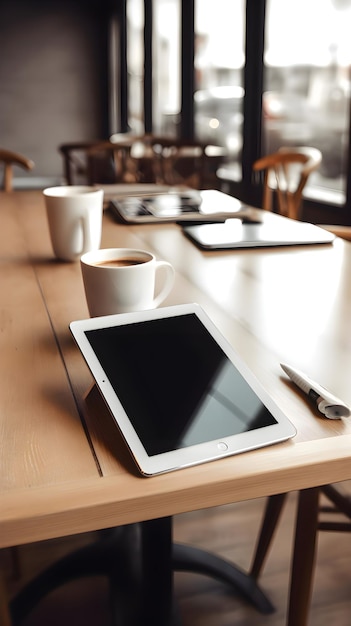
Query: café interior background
[[60, 80]]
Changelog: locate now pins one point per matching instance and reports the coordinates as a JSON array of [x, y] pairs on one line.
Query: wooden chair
[[9, 160], [128, 160], [125, 159], [75, 161], [179, 162], [140, 159], [333, 515], [286, 173]]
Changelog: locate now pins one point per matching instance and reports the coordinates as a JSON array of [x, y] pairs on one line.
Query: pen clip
[[331, 410], [328, 404]]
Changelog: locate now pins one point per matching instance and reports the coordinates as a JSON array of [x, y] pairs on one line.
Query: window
[[135, 65], [219, 62], [267, 73], [166, 67], [307, 85]]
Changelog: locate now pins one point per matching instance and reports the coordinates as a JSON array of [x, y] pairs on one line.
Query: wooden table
[[64, 469]]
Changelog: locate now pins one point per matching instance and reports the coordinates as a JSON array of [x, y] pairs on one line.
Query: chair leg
[[304, 555], [16, 564], [5, 619], [8, 176], [274, 507]]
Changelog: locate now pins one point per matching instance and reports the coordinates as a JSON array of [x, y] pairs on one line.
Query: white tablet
[[178, 392], [180, 206], [273, 231]]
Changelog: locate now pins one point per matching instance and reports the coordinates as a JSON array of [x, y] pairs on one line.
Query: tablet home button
[[222, 446]]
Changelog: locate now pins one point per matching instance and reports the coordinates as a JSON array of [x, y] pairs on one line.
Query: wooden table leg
[[301, 578]]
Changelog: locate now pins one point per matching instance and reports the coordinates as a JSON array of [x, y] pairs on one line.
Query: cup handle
[[169, 281], [86, 239]]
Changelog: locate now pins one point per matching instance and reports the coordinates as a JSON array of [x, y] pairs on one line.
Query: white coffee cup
[[75, 219], [120, 280]]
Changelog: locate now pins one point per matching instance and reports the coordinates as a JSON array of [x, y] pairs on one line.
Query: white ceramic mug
[[120, 280], [75, 219]]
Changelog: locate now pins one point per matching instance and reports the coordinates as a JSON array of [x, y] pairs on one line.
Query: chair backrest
[[9, 160], [75, 161], [179, 161], [286, 173], [105, 161], [137, 159]]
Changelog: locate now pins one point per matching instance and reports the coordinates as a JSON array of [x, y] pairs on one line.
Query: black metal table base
[[139, 561]]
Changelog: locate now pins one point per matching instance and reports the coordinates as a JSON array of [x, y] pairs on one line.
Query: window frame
[[247, 189]]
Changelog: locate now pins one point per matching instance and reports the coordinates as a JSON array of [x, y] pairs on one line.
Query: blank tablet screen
[[175, 383]]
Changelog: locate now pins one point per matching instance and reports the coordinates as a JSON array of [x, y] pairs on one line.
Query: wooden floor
[[229, 531]]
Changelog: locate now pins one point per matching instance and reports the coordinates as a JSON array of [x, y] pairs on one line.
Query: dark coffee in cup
[[121, 262]]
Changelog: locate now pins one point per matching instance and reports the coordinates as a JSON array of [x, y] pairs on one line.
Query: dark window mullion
[[187, 69], [253, 84], [347, 206], [123, 72], [148, 90]]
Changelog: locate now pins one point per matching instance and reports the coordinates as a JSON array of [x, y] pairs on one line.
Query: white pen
[[329, 405]]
